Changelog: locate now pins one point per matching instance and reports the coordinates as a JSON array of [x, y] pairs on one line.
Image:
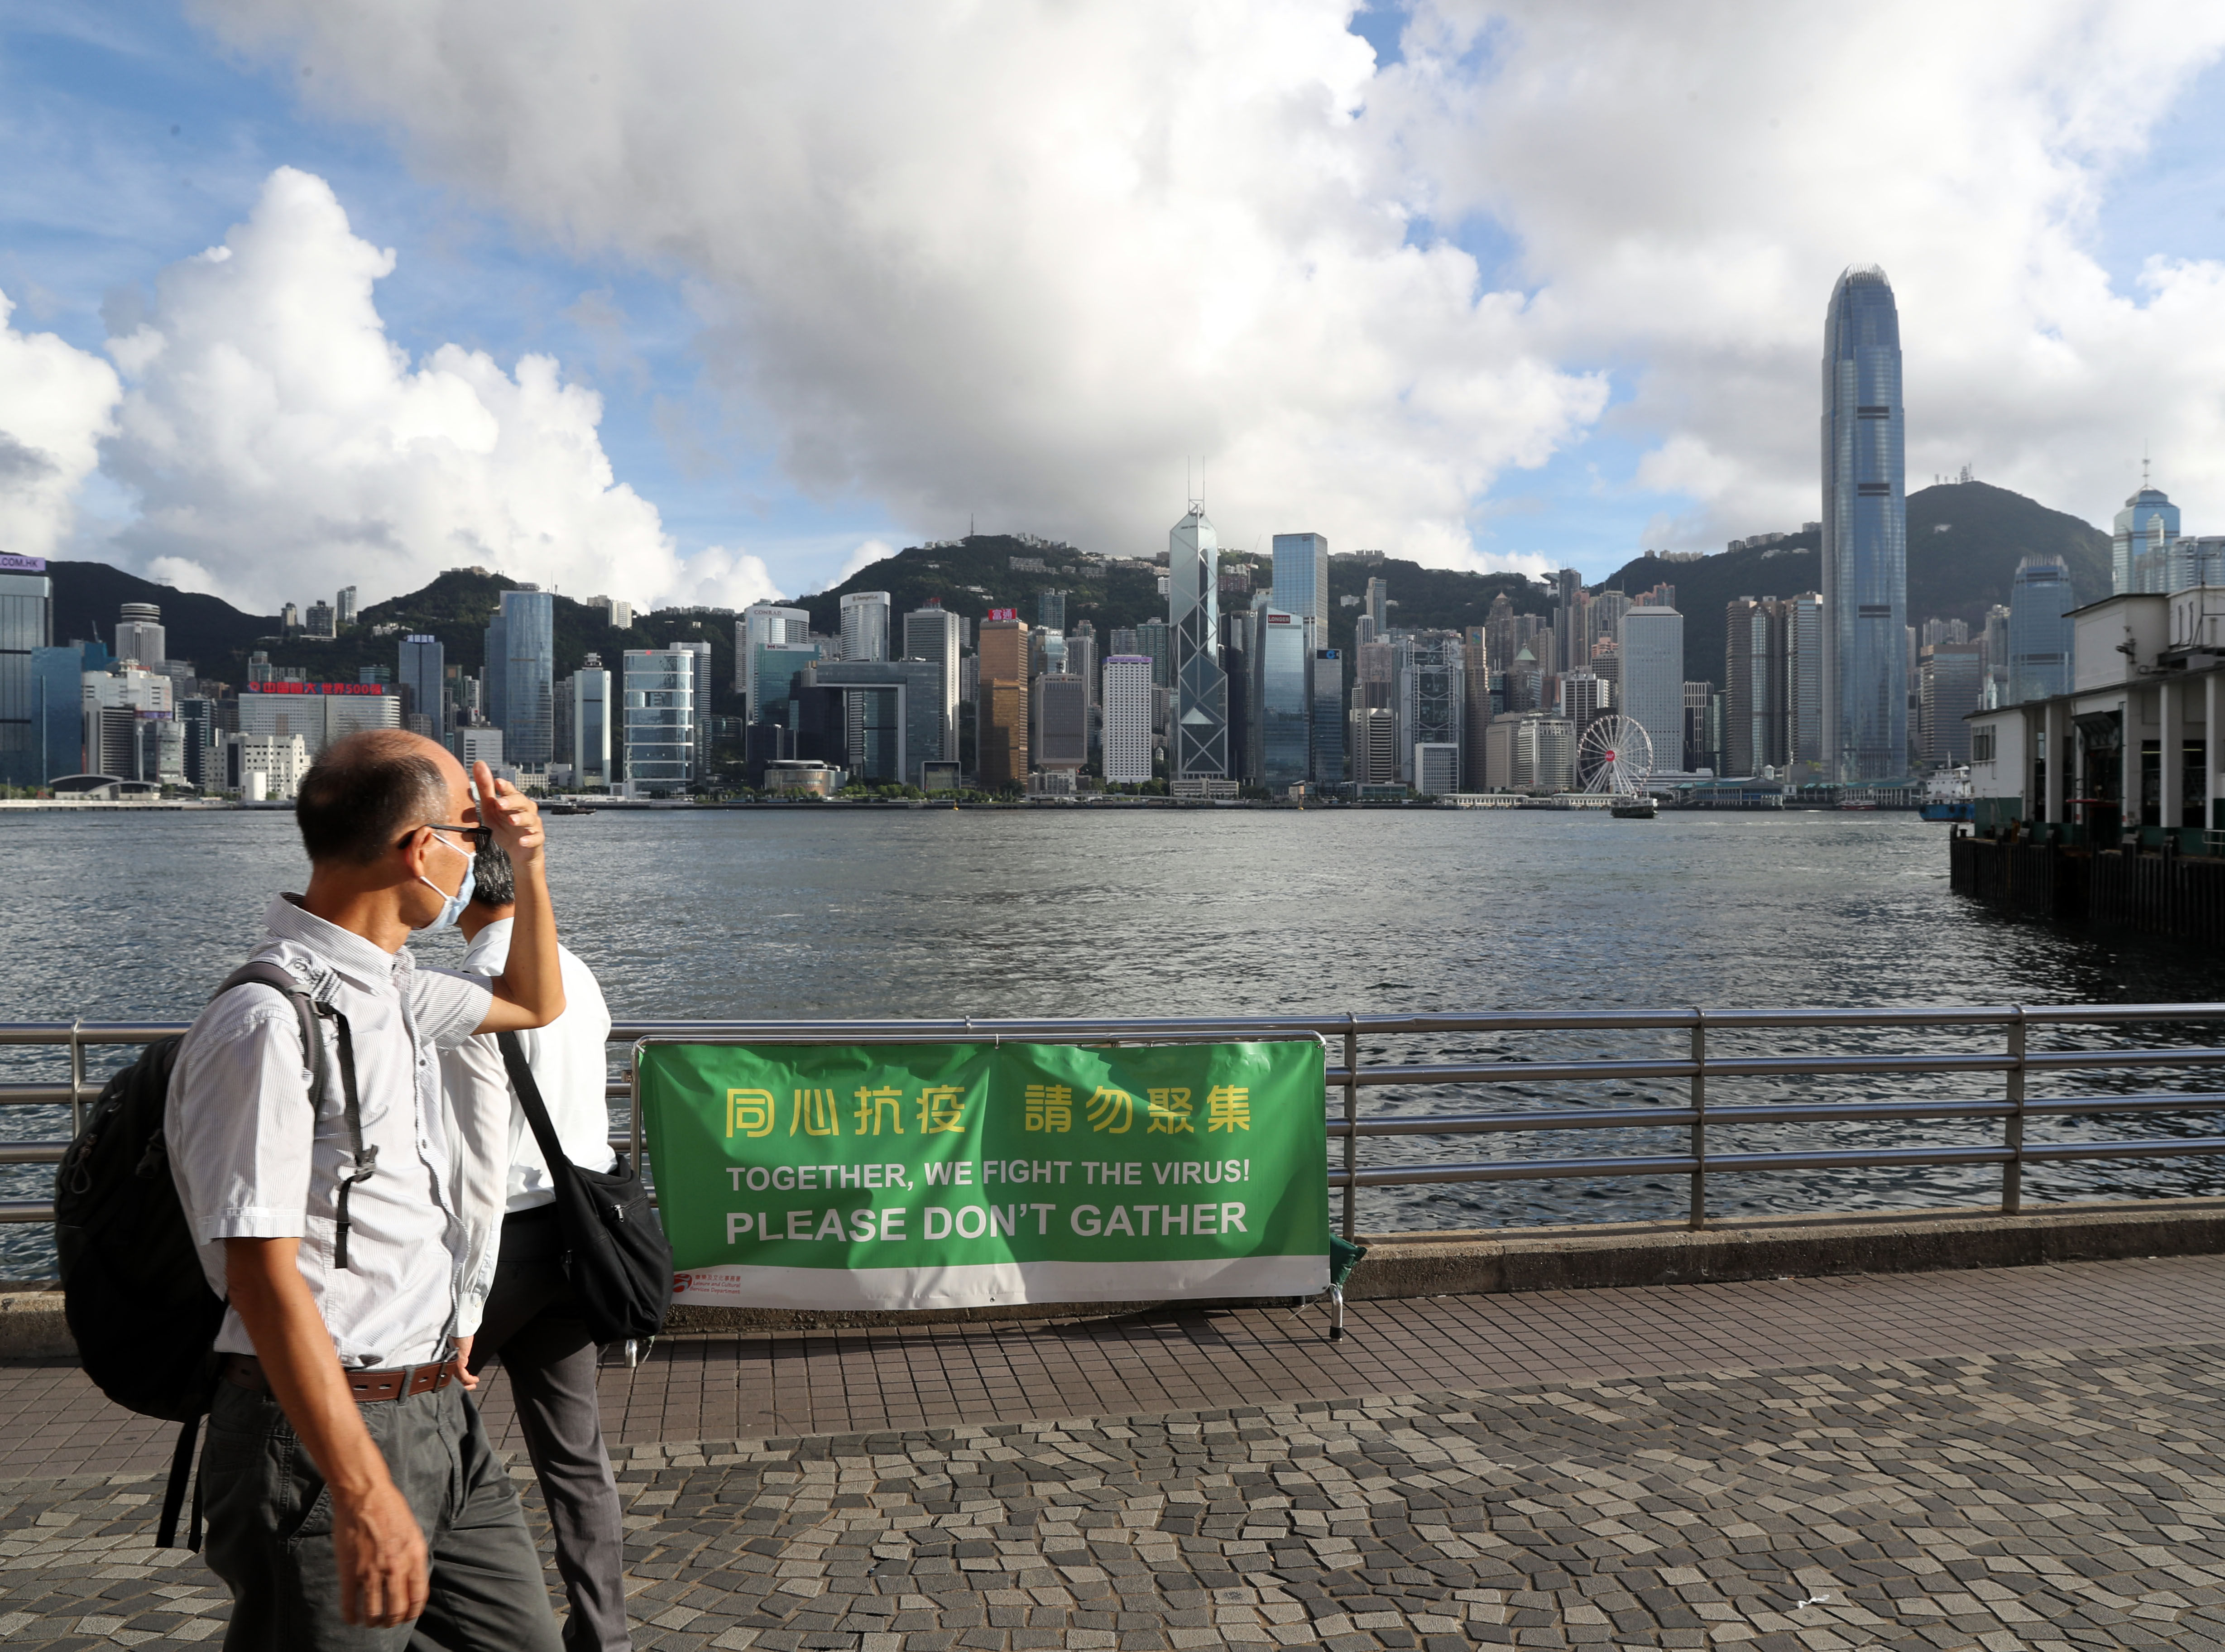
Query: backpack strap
[[362, 1160]]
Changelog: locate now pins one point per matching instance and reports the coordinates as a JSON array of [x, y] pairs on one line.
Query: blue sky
[[135, 140]]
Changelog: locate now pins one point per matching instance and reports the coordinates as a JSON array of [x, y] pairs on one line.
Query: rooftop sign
[[1003, 614], [316, 688], [23, 565]]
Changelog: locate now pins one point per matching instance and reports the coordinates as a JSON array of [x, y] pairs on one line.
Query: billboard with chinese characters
[[962, 1175]]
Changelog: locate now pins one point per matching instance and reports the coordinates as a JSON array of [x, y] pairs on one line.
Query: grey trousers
[[551, 1359], [270, 1531]]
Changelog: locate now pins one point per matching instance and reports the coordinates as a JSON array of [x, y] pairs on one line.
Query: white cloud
[[871, 551], [55, 404], [281, 445], [1686, 182], [1018, 259]]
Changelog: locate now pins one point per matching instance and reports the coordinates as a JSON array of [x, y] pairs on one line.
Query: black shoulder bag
[[616, 1256]]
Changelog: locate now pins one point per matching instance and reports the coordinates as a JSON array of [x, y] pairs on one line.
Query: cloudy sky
[[700, 300]]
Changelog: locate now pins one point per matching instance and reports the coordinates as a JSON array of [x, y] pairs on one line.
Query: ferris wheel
[[1615, 755]]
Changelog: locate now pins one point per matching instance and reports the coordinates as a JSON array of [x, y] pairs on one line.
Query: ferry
[[1947, 796]]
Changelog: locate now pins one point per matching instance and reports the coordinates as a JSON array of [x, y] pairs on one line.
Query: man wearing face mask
[[515, 1299], [352, 1497]]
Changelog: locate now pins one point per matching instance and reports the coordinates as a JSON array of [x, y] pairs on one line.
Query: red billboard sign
[[1003, 614]]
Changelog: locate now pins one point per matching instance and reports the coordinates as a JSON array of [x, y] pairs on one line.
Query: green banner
[[960, 1175]]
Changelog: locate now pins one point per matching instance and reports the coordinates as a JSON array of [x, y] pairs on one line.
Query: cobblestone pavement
[[2035, 1499]]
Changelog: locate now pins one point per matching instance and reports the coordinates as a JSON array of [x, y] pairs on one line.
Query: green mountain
[[1964, 542], [976, 574]]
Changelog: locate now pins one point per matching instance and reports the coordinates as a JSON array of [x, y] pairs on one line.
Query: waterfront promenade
[[2002, 1459]]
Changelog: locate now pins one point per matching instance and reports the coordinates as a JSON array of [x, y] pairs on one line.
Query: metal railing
[[1689, 1072]]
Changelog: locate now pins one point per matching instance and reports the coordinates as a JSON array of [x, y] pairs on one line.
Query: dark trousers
[[550, 1359], [270, 1531]]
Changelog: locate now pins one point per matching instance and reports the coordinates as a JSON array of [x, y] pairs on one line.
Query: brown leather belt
[[244, 1370]]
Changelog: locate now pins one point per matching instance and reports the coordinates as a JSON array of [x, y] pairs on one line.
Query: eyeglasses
[[481, 837]]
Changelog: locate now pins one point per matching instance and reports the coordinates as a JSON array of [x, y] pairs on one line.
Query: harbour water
[[835, 914]]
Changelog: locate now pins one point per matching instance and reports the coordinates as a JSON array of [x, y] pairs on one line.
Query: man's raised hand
[[515, 817]]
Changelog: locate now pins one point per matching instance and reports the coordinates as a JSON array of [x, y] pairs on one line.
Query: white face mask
[[452, 906]]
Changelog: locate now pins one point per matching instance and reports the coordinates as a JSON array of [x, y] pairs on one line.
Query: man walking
[[528, 1317], [352, 1499]]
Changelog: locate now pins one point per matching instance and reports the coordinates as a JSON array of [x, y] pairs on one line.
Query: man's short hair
[[365, 793], [493, 883]]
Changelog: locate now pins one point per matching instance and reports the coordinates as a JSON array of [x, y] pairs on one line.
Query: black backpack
[[138, 1305]]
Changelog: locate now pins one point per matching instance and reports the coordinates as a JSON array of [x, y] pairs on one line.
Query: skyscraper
[[419, 673], [763, 625], [1803, 686], [1200, 712], [1128, 692], [344, 608], [1378, 606], [1652, 690], [1327, 730], [1155, 639], [660, 720], [527, 676], [1951, 685], [1279, 699], [140, 635], [931, 633], [2040, 630], [1000, 744], [25, 631], [2140, 550], [1865, 532], [1569, 644], [866, 625], [1753, 685], [590, 755], [1050, 611], [1301, 577]]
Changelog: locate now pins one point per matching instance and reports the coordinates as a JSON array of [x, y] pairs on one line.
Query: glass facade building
[[1327, 729], [1652, 682], [419, 674], [2041, 633], [1301, 577], [1865, 532], [1283, 706], [591, 727], [772, 695], [660, 718], [866, 625], [26, 626], [527, 671], [2140, 548], [932, 634], [1200, 688]]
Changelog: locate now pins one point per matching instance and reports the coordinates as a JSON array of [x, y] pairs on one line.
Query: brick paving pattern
[[2025, 1501], [731, 1388], [2070, 1494]]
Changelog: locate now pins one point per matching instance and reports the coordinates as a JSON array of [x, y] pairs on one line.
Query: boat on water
[[1639, 808], [1947, 796], [568, 809]]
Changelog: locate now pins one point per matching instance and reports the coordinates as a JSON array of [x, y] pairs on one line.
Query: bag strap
[[362, 1160], [536, 1110], [173, 1495]]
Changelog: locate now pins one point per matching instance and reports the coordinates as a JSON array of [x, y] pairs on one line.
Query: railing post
[[2012, 1172], [1699, 1217], [77, 1080], [1351, 1125]]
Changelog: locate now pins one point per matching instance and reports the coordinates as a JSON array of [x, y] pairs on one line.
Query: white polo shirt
[[252, 1159]]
